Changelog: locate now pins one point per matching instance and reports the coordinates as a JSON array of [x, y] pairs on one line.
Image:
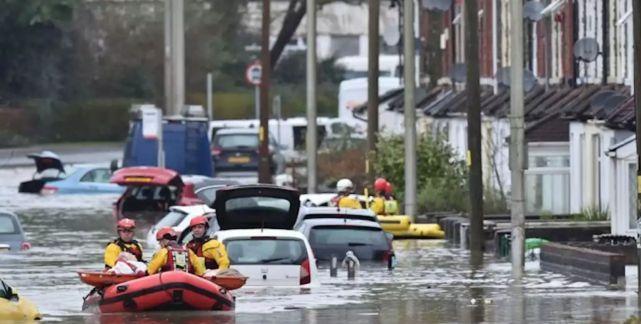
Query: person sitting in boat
[[172, 256], [210, 252], [345, 188], [378, 203], [124, 243]]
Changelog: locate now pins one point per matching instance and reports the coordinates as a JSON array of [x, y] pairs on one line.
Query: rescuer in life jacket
[[211, 253], [172, 256], [343, 199], [391, 204], [378, 204], [124, 243]]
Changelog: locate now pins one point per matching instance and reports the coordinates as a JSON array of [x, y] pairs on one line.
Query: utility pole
[[372, 83], [473, 103], [409, 108], [174, 57], [636, 26], [311, 97], [264, 174], [210, 99], [517, 140]]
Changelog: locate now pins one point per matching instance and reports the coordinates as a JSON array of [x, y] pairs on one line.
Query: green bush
[[441, 177], [592, 214]]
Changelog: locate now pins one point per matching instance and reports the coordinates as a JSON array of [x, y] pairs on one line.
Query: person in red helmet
[[172, 256], [124, 243], [378, 204], [210, 252], [391, 205]]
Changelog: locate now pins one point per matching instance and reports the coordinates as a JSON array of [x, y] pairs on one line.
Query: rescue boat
[[172, 290], [401, 227], [101, 279]]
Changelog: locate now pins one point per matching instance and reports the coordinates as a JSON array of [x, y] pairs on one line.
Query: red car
[[150, 192]]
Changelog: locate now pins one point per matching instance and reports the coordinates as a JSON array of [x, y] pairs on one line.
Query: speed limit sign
[[253, 73]]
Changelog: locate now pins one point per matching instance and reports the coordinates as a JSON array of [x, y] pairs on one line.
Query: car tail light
[[215, 151], [25, 246], [305, 273], [48, 190]]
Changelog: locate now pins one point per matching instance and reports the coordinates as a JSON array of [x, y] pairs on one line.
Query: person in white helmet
[[344, 188]]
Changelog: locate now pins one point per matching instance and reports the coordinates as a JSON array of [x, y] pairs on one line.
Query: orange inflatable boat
[[101, 279], [172, 290]]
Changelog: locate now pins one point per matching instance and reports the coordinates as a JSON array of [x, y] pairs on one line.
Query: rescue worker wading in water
[[124, 243], [345, 187], [210, 252], [391, 205], [378, 204], [172, 256]]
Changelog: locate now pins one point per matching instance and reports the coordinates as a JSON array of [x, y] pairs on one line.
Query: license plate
[[238, 159]]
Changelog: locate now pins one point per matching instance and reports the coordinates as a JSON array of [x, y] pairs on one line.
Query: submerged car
[[256, 225], [84, 180], [150, 191], [48, 168], [14, 307], [12, 237], [235, 152], [332, 232]]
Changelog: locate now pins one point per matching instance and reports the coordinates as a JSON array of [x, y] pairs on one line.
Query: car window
[[266, 250], [347, 235], [263, 203], [208, 195], [7, 225], [97, 175], [236, 140], [172, 219]]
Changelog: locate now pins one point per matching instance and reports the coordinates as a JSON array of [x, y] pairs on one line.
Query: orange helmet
[[199, 220], [388, 188], [126, 223], [166, 232], [379, 184]]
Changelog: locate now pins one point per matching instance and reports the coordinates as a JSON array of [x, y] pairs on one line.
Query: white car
[[325, 199], [271, 257], [178, 218], [256, 226]]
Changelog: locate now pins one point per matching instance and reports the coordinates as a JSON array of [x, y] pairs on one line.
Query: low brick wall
[[588, 264]]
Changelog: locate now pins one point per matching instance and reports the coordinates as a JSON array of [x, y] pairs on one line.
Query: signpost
[[152, 129], [253, 75]]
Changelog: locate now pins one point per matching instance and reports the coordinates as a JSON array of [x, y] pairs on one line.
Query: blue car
[[84, 180], [12, 238]]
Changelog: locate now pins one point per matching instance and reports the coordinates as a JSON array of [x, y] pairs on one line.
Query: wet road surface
[[432, 283]]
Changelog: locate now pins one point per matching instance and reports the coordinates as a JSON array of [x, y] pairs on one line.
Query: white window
[[547, 183], [632, 195]]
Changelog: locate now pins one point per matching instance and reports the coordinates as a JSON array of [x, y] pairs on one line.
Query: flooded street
[[432, 283]]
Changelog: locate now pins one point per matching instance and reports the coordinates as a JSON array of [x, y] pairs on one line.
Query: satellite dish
[[529, 79], [459, 72], [438, 5], [391, 36], [532, 10], [586, 49]]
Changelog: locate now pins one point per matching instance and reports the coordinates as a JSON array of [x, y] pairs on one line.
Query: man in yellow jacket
[[172, 257], [210, 252], [124, 243], [345, 187]]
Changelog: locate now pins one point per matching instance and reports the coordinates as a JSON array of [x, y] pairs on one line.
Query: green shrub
[[592, 214]]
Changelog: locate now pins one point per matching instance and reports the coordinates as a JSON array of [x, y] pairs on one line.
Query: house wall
[[590, 168], [623, 210]]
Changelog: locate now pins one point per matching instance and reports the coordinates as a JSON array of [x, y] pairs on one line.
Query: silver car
[[12, 238]]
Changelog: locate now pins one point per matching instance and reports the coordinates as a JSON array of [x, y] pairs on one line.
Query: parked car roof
[[226, 131]]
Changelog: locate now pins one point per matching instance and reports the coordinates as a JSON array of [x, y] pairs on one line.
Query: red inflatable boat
[[173, 290]]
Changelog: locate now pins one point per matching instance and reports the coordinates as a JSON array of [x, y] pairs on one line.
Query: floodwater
[[432, 283]]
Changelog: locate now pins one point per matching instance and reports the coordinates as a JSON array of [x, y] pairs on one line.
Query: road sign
[[253, 73], [151, 122]]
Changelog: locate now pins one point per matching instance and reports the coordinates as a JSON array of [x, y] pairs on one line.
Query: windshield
[[348, 235], [7, 225], [236, 140], [263, 203], [171, 219], [266, 250]]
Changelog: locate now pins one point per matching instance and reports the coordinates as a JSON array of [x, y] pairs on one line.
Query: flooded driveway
[[433, 282]]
